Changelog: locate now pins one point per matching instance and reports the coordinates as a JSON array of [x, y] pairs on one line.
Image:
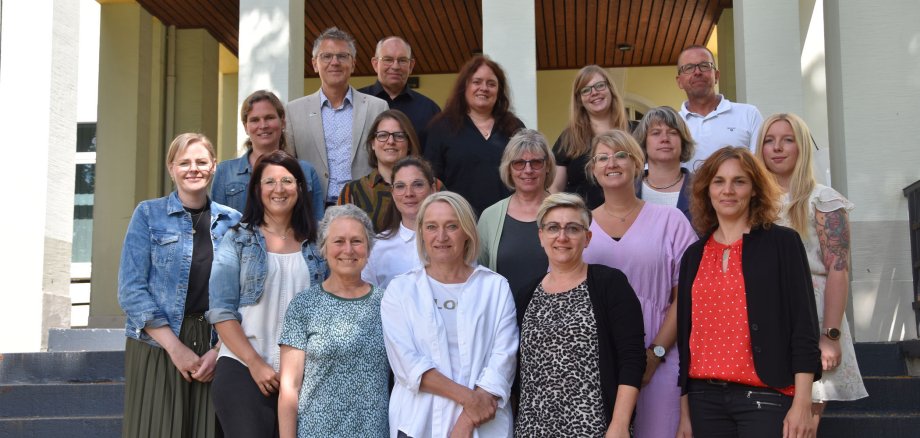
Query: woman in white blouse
[[450, 331], [395, 251]]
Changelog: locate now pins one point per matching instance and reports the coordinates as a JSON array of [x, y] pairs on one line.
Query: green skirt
[[158, 401]]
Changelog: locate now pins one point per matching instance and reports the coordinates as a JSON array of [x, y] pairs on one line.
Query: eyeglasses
[[535, 164], [326, 57], [620, 156], [387, 61], [417, 186], [600, 86], [704, 67], [570, 229], [286, 182], [199, 165], [383, 136]]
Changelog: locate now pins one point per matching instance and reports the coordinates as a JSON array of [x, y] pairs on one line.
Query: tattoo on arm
[[833, 229]]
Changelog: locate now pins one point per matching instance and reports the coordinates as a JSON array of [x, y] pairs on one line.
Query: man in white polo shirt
[[714, 121]]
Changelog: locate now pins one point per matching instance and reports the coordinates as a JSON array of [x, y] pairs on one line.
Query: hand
[[480, 406], [185, 360], [463, 428], [684, 430], [205, 371], [798, 422], [830, 353], [265, 377], [651, 364]]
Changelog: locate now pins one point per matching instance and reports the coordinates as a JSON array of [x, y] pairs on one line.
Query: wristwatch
[[658, 351], [832, 333]]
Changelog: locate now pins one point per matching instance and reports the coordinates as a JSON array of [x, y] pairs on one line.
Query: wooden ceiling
[[445, 33]]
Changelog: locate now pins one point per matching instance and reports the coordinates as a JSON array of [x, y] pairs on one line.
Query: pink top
[[649, 254]]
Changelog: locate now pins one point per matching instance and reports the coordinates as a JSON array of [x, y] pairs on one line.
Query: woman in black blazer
[[747, 324]]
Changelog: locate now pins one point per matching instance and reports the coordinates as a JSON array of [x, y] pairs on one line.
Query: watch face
[[833, 333], [659, 351]]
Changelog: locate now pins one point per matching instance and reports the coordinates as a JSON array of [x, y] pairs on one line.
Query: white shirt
[[287, 275], [447, 300], [661, 198], [391, 257], [416, 340], [730, 124]]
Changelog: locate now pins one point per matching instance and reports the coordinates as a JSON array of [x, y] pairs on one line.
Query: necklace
[[630, 212], [195, 224], [283, 236], [679, 178]]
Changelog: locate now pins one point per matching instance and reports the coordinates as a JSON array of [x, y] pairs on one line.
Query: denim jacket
[[155, 262], [232, 178], [239, 270]]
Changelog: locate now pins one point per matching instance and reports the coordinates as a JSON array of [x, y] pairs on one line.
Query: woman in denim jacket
[[257, 270], [163, 290], [262, 115]]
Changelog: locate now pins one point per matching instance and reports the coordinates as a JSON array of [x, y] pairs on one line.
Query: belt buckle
[[716, 382]]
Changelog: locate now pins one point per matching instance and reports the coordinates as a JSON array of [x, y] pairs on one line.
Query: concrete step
[[75, 427], [62, 400], [86, 339], [870, 425], [891, 395], [51, 367], [880, 359]]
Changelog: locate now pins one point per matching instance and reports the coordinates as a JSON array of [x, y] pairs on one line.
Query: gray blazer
[[305, 131]]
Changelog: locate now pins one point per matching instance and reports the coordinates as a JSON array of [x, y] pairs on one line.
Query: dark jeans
[[241, 408], [732, 410]]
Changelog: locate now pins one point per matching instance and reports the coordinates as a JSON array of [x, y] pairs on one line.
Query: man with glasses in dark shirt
[[329, 128], [393, 63], [714, 121]]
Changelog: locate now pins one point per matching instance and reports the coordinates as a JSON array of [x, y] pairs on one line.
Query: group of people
[[375, 266]]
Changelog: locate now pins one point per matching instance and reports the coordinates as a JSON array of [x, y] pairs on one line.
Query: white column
[[873, 86], [509, 38], [38, 88], [271, 53]]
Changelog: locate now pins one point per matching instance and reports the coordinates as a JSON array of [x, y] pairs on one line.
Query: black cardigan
[[620, 330], [782, 318]]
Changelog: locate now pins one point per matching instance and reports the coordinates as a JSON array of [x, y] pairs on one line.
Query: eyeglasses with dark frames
[[383, 136], [704, 67], [535, 164], [599, 86]]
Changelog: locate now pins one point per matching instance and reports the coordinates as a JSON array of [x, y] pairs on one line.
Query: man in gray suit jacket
[[329, 128]]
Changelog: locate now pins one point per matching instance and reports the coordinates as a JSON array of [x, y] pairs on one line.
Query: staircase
[[892, 409], [62, 394]]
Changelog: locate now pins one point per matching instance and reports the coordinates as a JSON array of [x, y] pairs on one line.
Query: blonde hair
[[564, 200], [802, 181], [576, 137], [183, 141], [527, 140], [617, 140], [465, 216]]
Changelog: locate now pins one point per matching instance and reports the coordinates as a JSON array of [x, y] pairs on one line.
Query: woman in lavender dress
[[646, 242]]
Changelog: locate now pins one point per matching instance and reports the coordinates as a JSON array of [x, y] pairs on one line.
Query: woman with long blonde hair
[[819, 214]]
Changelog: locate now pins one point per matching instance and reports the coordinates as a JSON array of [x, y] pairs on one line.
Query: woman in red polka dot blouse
[[747, 324]]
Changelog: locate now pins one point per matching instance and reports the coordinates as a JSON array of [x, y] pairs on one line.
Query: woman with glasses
[[466, 140], [645, 241], [509, 227], [663, 136], [595, 107], [581, 352], [163, 290], [395, 251], [450, 333], [391, 138], [820, 216], [263, 120], [257, 270]]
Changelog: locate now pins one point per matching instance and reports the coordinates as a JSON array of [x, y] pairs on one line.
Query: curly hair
[[457, 107], [763, 209]]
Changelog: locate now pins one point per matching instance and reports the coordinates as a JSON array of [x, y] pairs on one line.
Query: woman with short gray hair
[[332, 351], [509, 228]]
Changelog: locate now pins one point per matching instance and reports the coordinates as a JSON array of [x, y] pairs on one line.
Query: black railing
[[912, 193]]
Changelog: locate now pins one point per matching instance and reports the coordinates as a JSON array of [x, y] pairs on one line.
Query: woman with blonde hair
[[450, 333], [819, 214], [170, 354], [595, 107]]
